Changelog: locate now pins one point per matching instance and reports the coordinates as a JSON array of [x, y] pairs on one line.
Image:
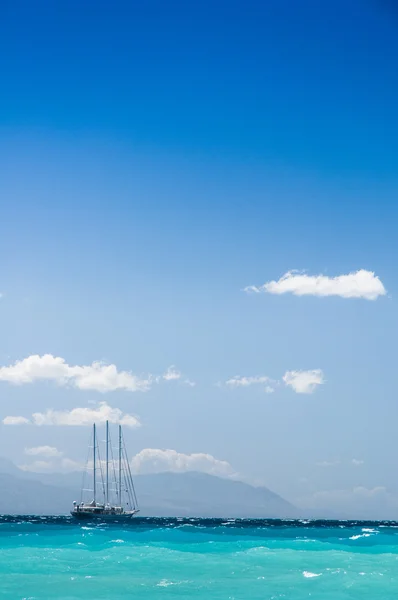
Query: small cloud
[[304, 382], [15, 421], [38, 466], [58, 465], [269, 390], [356, 462], [49, 451], [78, 417], [359, 284], [252, 289], [237, 381], [171, 374], [155, 460]]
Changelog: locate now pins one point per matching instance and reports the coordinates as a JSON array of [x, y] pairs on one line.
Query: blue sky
[[156, 161]]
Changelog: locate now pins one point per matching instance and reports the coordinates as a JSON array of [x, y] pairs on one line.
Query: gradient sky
[[157, 158]]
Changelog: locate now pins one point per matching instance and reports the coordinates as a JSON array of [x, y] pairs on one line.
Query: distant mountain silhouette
[[199, 494], [23, 497], [163, 494]]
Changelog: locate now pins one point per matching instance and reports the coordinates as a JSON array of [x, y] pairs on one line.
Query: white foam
[[309, 575], [164, 583], [356, 537]]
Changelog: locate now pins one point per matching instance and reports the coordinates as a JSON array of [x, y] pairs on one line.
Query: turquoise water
[[56, 558]]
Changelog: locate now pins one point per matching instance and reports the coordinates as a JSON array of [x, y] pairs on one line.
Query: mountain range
[[162, 494]]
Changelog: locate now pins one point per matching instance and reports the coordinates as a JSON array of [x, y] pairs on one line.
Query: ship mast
[[107, 465], [94, 452], [120, 465]]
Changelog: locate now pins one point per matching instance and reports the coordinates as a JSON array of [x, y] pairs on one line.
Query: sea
[[43, 558]]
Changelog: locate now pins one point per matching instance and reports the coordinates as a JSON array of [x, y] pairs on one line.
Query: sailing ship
[[113, 495]]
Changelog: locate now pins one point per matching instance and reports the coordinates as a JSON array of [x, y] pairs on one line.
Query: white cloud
[[152, 460], [38, 466], [64, 465], [237, 381], [15, 421], [97, 376], [356, 462], [49, 451], [171, 374], [68, 465], [360, 284], [304, 382], [149, 460], [78, 416]]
